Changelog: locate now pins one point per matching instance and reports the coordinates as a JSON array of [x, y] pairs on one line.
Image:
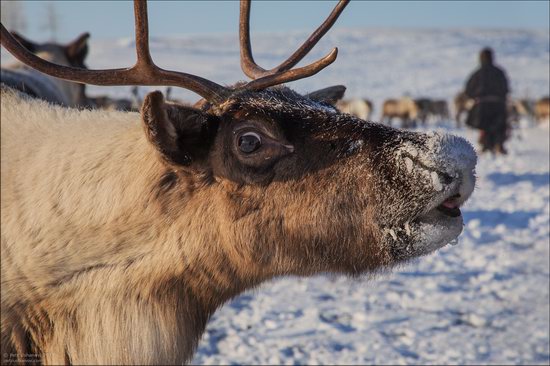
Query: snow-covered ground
[[483, 301]]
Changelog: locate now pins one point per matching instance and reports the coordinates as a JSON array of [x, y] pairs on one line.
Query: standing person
[[488, 87]]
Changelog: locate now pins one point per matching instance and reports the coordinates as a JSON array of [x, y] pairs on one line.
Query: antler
[[144, 72], [283, 73]]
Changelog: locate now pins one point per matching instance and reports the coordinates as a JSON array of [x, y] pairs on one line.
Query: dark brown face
[[310, 189]]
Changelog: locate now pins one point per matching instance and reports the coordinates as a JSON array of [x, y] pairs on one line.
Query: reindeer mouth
[[451, 206], [445, 171], [446, 209], [440, 224]]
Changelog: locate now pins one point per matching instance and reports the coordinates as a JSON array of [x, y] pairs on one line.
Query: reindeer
[[542, 110], [36, 84], [405, 108], [122, 233], [423, 106], [439, 109], [117, 104], [462, 104], [360, 108], [112, 104]]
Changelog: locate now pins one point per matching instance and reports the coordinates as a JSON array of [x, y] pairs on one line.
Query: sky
[[114, 19]]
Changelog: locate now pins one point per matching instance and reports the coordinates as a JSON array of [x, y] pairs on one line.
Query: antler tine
[[291, 75], [144, 72], [283, 73], [304, 49], [249, 66], [142, 33]]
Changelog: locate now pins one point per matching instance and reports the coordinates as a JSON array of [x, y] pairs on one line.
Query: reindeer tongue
[[450, 203], [450, 206]]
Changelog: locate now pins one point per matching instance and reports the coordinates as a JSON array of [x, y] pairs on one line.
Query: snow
[[485, 300], [408, 164], [435, 181]]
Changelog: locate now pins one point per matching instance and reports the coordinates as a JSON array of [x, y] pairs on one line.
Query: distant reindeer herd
[[422, 111]]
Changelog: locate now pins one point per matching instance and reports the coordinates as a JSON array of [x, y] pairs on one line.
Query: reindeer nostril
[[446, 178]]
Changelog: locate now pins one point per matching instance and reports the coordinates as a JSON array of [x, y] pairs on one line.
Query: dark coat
[[488, 86], [29, 83]]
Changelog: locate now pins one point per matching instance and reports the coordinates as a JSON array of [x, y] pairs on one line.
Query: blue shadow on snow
[[515, 220], [536, 179]]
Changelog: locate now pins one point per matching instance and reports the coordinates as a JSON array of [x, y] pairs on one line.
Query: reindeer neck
[[108, 226]]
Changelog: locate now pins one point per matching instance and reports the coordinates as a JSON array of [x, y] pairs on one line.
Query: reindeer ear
[[77, 50], [329, 95], [182, 135], [31, 46]]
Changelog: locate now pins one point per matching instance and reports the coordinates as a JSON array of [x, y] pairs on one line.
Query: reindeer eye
[[249, 142]]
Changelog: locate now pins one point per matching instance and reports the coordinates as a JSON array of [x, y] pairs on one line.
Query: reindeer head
[[295, 185], [72, 54]]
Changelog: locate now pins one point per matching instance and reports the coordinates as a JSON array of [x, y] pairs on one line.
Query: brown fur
[[542, 109], [360, 108], [404, 108], [462, 104], [120, 238]]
